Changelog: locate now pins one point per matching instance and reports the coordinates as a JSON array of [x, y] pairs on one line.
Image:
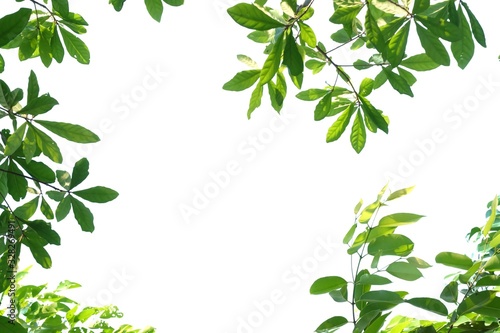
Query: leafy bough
[[382, 27]]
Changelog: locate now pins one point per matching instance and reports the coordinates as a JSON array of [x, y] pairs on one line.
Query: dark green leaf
[[13, 24], [63, 208], [33, 88], [38, 170], [174, 3], [398, 83], [7, 326], [27, 210], [80, 173], [64, 179], [433, 46], [440, 27], [39, 105], [477, 30], [251, 17], [48, 146], [463, 49], [71, 132], [374, 115], [155, 9], [242, 80], [381, 296], [99, 194], [117, 4], [17, 183], [83, 215], [55, 195], [46, 209], [488, 280], [15, 140], [373, 32], [332, 324], [420, 5], [75, 47], [374, 280], [44, 230], [429, 304], [292, 57], [475, 301], [450, 292], [56, 46]]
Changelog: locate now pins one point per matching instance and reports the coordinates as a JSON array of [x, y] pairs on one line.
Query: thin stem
[[345, 43], [32, 178]]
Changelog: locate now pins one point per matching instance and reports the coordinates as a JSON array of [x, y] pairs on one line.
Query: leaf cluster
[[383, 27], [471, 297]]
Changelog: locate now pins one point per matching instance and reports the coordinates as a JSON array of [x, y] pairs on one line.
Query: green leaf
[[332, 324], [420, 62], [420, 5], [488, 280], [404, 271], [358, 133], [417, 262], [56, 46], [33, 88], [477, 30], [345, 14], [29, 145], [398, 219], [463, 49], [391, 245], [323, 107], [398, 83], [381, 296], [312, 94], [83, 215], [492, 217], [55, 195], [315, 65], [373, 32], [64, 179], [490, 309], [251, 17], [48, 146], [75, 47], [27, 210], [99, 194], [429, 304], [80, 173], [374, 115], [440, 27], [348, 236], [374, 280], [13, 24], [407, 76], [433, 46], [40, 255], [44, 230], [39, 105], [242, 80], [339, 126], [396, 46], [7, 326], [307, 35], [493, 264], [39, 170], [475, 301], [46, 209], [399, 193], [366, 87], [255, 99], [155, 9], [2, 64], [455, 260], [367, 213], [450, 292], [63, 208], [247, 61], [464, 278], [16, 182], [61, 6], [292, 57], [71, 132], [275, 96], [174, 3], [273, 61], [15, 140], [326, 284]]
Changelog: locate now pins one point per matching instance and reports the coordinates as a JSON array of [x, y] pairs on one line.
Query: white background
[[260, 237]]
